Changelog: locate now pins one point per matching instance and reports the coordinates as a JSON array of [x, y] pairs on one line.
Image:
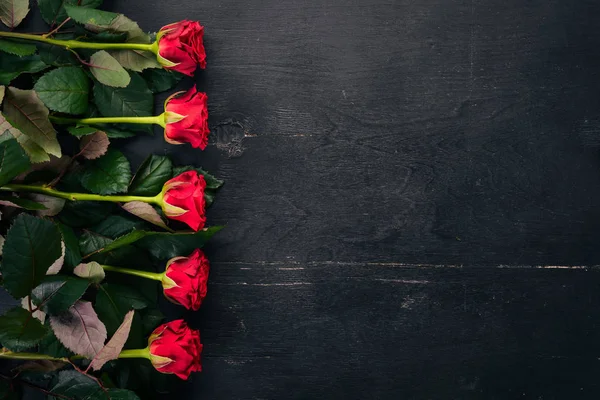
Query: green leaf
[[19, 330], [53, 11], [90, 17], [35, 153], [75, 385], [31, 247], [72, 253], [57, 56], [161, 80], [165, 245], [90, 242], [135, 100], [117, 225], [2, 90], [114, 301], [12, 66], [13, 161], [136, 60], [108, 71], [91, 271], [82, 130], [108, 174], [79, 214], [64, 89], [25, 204], [57, 293], [151, 176], [17, 48], [122, 394], [24, 110], [211, 181], [12, 12]]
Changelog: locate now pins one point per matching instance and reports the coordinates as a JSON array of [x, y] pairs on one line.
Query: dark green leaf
[[211, 181], [57, 293], [82, 130], [12, 66], [24, 111], [108, 174], [64, 89], [151, 176], [72, 254], [17, 48], [13, 161], [122, 394], [115, 132], [161, 80], [19, 330], [89, 16], [53, 11], [79, 214], [114, 301], [135, 100], [12, 12], [31, 247], [118, 225], [90, 242], [25, 204], [164, 245], [108, 71], [75, 385], [57, 56]]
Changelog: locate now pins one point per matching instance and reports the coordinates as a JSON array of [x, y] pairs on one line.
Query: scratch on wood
[[408, 281]]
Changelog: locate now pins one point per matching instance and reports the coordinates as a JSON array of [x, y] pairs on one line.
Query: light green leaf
[[64, 89], [12, 66], [53, 11], [108, 174], [32, 245], [2, 89], [136, 60], [151, 176], [25, 111], [108, 71], [12, 12], [17, 48], [19, 331], [135, 100], [34, 151], [13, 161], [91, 271]]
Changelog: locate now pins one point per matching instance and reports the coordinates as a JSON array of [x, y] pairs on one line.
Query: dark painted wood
[[356, 136]]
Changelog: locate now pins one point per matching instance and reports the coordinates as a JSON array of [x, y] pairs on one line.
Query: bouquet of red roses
[[82, 237]]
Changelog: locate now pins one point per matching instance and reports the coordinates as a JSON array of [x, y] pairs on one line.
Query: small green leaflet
[[12, 12], [135, 100], [53, 11], [64, 89], [108, 174], [108, 71], [17, 48]]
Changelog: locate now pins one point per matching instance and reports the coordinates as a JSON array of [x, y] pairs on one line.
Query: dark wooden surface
[[395, 171]]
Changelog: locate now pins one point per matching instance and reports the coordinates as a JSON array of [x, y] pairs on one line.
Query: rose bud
[[181, 47], [183, 199], [184, 280], [175, 349], [186, 118]]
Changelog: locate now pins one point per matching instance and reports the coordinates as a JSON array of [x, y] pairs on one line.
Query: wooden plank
[[351, 330]]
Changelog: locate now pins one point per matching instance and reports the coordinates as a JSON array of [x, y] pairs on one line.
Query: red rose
[[181, 47], [175, 349], [185, 279], [183, 199], [186, 119]]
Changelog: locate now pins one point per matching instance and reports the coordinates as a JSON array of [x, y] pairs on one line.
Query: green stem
[[29, 356], [75, 44], [135, 353], [80, 196], [144, 274], [158, 119]]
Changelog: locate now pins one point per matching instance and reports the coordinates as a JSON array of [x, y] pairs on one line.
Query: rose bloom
[[183, 199], [175, 349], [181, 47], [186, 118], [185, 279]]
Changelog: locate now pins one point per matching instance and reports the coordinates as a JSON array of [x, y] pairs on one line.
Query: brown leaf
[[113, 348], [94, 146], [146, 212], [79, 329]]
